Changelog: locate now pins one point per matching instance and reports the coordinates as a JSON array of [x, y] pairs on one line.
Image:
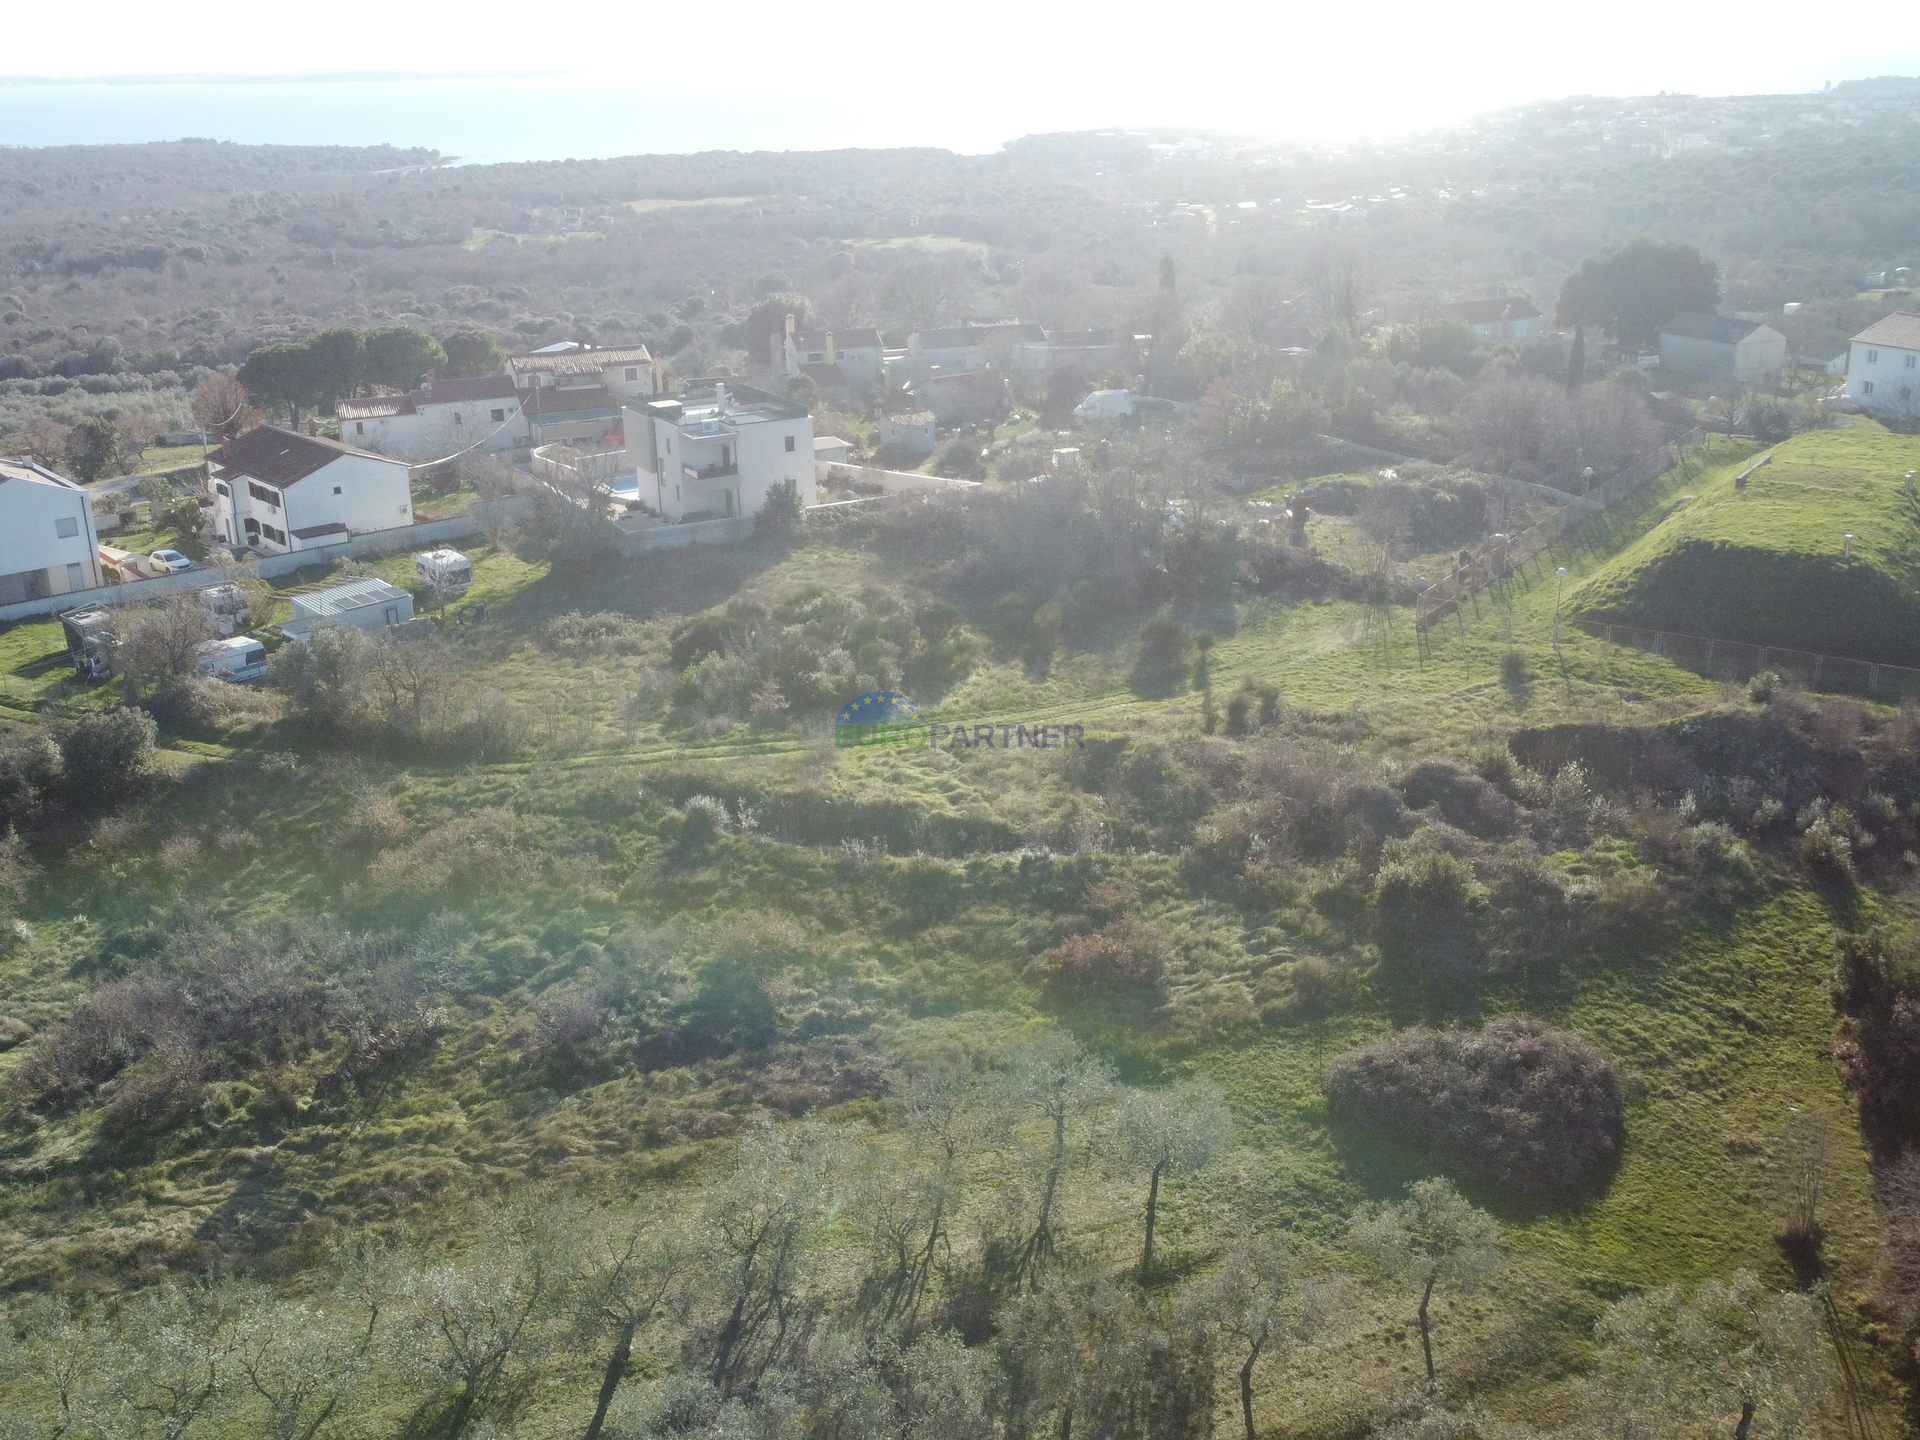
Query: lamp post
[[1846, 546], [1559, 588]]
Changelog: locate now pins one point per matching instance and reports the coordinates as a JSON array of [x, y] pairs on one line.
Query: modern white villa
[[717, 450]]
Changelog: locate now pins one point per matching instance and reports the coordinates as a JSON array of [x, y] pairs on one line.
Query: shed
[[1720, 345], [368, 604]]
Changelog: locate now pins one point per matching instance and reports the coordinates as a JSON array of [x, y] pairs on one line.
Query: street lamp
[[1559, 589], [1846, 546]]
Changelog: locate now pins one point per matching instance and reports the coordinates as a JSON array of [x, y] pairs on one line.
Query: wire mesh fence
[[1740, 660]]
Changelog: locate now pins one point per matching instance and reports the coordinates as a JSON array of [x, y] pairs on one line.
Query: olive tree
[[1675, 1362], [1056, 1078], [1258, 1302], [1175, 1131], [1433, 1237]]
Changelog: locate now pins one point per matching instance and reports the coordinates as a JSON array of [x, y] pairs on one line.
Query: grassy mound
[[1520, 1103], [1767, 564]]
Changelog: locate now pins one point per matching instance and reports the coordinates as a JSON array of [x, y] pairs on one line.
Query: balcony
[[709, 472], [707, 429]]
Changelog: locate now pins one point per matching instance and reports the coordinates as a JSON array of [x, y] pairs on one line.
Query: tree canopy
[[1635, 288]]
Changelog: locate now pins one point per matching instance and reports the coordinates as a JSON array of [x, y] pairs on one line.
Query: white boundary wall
[[485, 515]]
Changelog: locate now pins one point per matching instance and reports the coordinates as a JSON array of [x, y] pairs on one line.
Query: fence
[[1501, 555], [484, 516], [1740, 660], [586, 469]]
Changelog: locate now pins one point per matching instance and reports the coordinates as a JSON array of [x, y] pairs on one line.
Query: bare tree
[[1336, 285], [299, 1362], [162, 644], [624, 1268], [222, 408]]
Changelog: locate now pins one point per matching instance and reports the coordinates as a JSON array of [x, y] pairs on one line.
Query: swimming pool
[[628, 484]]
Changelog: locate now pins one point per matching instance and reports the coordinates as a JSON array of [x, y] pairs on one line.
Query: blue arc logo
[[878, 707]]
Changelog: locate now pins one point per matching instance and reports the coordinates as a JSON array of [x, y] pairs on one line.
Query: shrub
[[1828, 852], [1529, 1107], [1426, 888], [1129, 954], [1763, 687], [106, 753], [780, 518], [606, 633], [1318, 984], [1513, 667]]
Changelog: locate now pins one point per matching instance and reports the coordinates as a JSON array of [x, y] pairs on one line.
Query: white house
[[571, 393], [440, 419], [366, 604], [48, 545], [1883, 364], [1719, 345], [853, 360], [1504, 317], [278, 491], [716, 451]]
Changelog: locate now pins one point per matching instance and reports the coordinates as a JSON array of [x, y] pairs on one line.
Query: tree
[[768, 318], [399, 356], [92, 449], [921, 291], [1635, 288], [1062, 1082], [620, 1279], [1434, 1235], [333, 364], [162, 644], [276, 375], [1257, 1303], [1336, 286], [1674, 1363], [1176, 1131], [222, 407], [300, 1362], [472, 353], [326, 677]]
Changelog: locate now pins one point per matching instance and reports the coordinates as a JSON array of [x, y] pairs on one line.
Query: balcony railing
[[709, 472]]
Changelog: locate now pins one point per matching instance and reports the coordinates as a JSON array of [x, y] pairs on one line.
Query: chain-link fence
[[1740, 660]]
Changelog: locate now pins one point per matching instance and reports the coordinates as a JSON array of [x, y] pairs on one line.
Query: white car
[[168, 562]]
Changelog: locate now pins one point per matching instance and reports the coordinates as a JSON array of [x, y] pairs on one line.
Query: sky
[[603, 77]]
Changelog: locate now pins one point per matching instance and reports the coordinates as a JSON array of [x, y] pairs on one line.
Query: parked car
[[168, 562]]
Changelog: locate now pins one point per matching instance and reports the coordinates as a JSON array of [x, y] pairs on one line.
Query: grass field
[[1721, 1024], [1769, 563]]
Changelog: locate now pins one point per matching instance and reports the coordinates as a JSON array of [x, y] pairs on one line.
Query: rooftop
[[849, 339], [1495, 309], [351, 595], [34, 474], [1898, 331], [730, 401], [1723, 329], [573, 358], [280, 457]]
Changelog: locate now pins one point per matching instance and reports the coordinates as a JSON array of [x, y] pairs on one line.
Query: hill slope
[[1767, 564]]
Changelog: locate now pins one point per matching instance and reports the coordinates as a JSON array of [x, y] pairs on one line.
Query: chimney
[[829, 347], [789, 327], [913, 343], [720, 398], [313, 427]]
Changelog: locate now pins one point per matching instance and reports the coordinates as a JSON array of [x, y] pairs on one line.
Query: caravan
[[446, 572], [90, 640], [239, 657]]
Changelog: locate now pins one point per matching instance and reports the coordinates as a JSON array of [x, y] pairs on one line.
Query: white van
[[227, 604], [240, 657]]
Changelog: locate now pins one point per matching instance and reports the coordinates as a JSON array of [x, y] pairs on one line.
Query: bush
[[1513, 667], [1519, 1103], [606, 633], [1828, 852], [105, 754], [1426, 888], [781, 516], [1763, 687], [1129, 954]]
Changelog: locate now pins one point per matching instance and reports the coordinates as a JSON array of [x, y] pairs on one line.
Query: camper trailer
[[447, 572], [90, 641], [238, 657], [227, 604]]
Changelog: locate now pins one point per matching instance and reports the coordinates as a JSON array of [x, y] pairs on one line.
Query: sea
[[468, 119]]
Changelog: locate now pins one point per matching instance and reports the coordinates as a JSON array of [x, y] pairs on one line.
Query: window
[[633, 372], [220, 487], [359, 427], [66, 527], [263, 495], [789, 444], [499, 416], [74, 578], [1873, 357], [1911, 359], [1866, 387], [336, 489]]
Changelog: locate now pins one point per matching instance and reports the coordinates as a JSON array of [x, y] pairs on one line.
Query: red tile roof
[[279, 457]]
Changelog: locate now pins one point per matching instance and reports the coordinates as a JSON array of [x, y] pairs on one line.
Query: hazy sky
[[970, 75]]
